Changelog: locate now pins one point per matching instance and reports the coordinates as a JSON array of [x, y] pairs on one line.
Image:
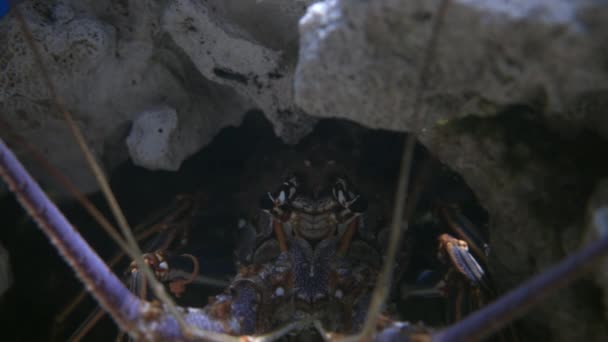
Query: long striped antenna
[[104, 185]]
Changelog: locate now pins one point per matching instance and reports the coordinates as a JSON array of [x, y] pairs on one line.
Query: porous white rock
[[63, 12], [149, 141], [71, 49], [229, 57], [110, 61]]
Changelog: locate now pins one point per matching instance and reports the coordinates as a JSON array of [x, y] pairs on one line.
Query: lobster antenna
[[69, 186], [398, 226], [129, 312], [104, 185]]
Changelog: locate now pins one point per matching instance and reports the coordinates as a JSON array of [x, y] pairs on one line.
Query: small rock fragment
[[149, 141]]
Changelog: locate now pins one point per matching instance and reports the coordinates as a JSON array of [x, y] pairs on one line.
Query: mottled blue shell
[[244, 306], [311, 269]]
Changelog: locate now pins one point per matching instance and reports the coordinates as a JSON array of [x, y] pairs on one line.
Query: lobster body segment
[[300, 271]]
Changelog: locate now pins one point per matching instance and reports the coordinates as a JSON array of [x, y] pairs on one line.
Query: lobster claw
[[465, 230], [466, 283], [176, 270], [457, 251]]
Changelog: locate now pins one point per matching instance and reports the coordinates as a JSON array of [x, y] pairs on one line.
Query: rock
[[513, 101], [149, 141], [200, 65], [533, 182], [110, 62], [367, 55], [227, 56], [272, 23], [72, 49]]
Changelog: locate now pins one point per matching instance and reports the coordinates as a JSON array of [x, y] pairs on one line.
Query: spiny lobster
[[231, 313]]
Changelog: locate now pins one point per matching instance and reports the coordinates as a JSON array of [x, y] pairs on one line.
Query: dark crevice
[[230, 75], [231, 173], [573, 165]]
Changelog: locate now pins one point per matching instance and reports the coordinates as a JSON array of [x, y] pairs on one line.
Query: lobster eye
[[348, 198]]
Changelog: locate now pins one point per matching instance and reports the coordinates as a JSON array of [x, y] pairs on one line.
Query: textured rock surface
[[533, 166], [228, 57], [367, 56], [535, 184], [112, 60]]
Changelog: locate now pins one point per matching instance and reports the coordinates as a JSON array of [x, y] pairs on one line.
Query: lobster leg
[[166, 226], [87, 325], [353, 204], [458, 255], [496, 315], [466, 282], [517, 302], [176, 270]]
